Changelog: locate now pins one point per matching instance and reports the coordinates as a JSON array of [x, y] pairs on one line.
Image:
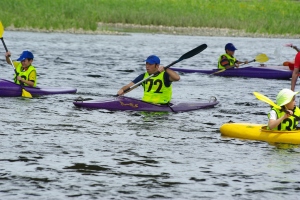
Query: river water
[[53, 150]]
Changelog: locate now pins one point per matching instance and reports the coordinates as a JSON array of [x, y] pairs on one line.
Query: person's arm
[[29, 83], [121, 91], [273, 123], [31, 77], [125, 87], [240, 62], [173, 76], [225, 63], [7, 55], [294, 78], [296, 48]]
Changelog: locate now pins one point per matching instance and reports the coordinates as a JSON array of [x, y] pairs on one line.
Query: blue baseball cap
[[24, 55], [153, 59], [230, 47]]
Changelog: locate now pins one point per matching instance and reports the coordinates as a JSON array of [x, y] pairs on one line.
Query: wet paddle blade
[[261, 58], [1, 30], [193, 52], [266, 99], [26, 94], [189, 54]]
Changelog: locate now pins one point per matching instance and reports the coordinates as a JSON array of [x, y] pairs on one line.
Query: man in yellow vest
[[157, 89], [228, 60], [25, 72]]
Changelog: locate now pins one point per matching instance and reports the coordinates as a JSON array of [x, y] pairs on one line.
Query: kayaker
[[158, 89], [228, 60], [25, 72], [281, 120]]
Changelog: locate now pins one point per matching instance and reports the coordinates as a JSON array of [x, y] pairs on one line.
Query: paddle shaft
[[187, 55], [222, 70], [8, 56]]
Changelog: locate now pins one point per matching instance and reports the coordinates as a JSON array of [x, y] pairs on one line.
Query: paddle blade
[[261, 58], [1, 30], [193, 52], [266, 99], [26, 94]]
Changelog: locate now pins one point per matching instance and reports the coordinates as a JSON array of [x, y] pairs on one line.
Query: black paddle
[[187, 55]]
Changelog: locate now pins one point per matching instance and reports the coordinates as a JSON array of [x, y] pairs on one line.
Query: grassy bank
[[263, 16]]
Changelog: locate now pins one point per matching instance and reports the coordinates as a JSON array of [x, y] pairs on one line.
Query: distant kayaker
[[228, 60], [281, 120], [158, 89], [25, 72]]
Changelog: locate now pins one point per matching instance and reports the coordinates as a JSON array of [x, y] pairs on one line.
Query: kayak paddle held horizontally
[[270, 102], [261, 58], [24, 92], [187, 55]]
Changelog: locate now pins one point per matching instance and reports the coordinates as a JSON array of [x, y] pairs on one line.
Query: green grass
[[253, 16]]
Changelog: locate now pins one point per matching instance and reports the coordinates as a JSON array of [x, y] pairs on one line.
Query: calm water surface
[[52, 150]]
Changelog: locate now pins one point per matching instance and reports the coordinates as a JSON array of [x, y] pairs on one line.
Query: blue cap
[[230, 47], [24, 55], [153, 59]]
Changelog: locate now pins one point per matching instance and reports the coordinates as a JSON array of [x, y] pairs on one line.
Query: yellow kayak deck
[[259, 132]]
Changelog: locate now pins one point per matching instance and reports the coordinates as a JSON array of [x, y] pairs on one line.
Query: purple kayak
[[266, 72], [123, 103], [10, 89]]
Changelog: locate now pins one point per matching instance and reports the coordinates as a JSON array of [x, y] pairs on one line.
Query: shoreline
[[126, 29]]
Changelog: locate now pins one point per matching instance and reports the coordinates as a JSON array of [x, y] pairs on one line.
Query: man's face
[[151, 68]]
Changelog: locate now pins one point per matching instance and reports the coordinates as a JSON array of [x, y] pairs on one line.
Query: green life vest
[[24, 74], [155, 90], [288, 124], [230, 59]]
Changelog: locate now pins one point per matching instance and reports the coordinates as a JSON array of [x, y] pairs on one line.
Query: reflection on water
[[52, 150]]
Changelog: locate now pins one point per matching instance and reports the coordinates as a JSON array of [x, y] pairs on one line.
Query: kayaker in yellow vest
[[280, 120], [158, 89], [228, 60], [25, 72]]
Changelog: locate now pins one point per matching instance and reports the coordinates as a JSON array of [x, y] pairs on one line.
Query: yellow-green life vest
[[24, 74], [288, 124], [155, 90], [230, 59]]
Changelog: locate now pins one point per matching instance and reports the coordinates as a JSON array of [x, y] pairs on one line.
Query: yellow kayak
[[259, 132]]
